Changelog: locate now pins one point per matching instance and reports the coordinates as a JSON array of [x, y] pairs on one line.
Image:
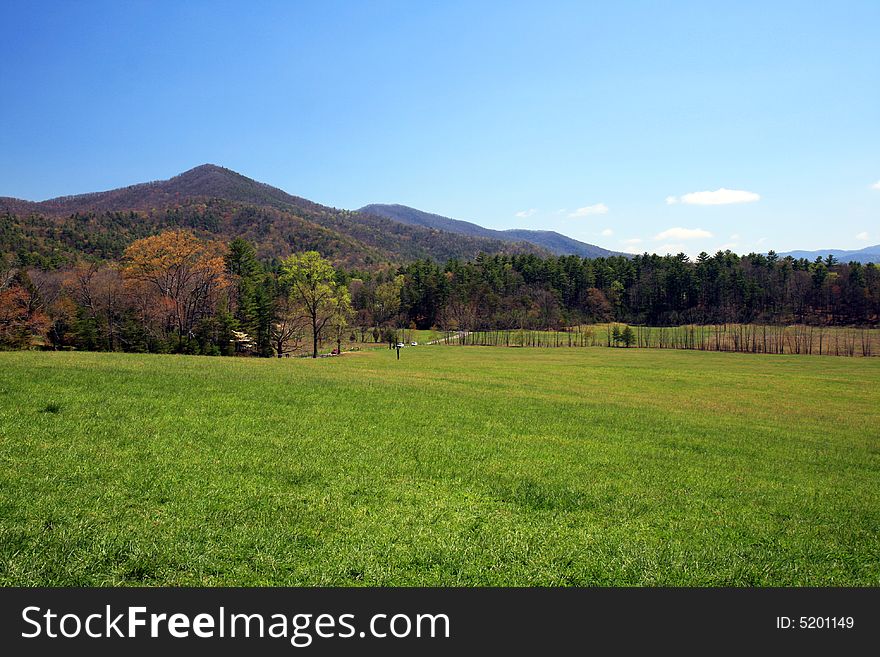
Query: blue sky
[[615, 123]]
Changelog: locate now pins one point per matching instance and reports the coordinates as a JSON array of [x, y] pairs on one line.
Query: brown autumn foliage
[[99, 291], [183, 274], [21, 318]]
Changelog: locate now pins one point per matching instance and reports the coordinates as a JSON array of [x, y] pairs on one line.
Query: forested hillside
[[220, 204], [549, 240]]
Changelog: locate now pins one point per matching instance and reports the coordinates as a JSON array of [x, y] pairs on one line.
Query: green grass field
[[452, 466]]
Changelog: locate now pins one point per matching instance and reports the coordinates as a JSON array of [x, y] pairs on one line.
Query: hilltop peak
[[201, 182], [207, 166], [207, 169]]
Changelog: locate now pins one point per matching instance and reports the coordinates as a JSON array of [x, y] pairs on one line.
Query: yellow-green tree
[[313, 284], [339, 322], [388, 300]]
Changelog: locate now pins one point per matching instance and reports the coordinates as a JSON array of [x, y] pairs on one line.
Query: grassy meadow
[[452, 466]]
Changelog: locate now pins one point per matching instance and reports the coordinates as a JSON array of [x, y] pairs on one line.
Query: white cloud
[[876, 185], [863, 236], [735, 237], [562, 211], [599, 208], [762, 240], [730, 246], [525, 214], [607, 232], [632, 240], [682, 234], [721, 196]]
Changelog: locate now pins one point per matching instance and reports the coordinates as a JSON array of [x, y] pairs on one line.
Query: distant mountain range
[[866, 255], [546, 239], [219, 203], [222, 204]]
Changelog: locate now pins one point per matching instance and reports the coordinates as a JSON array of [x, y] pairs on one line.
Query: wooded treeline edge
[[178, 292]]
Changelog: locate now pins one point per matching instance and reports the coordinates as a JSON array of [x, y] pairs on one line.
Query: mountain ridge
[[556, 243], [864, 255], [202, 181], [222, 203]]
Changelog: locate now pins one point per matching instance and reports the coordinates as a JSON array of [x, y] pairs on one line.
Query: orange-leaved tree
[[186, 273], [21, 317]]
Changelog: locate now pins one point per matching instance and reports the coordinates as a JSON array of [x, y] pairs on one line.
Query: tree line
[[529, 292], [176, 292]]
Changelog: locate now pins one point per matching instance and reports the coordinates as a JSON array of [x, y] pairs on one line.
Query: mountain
[[222, 204], [546, 239], [866, 255], [205, 181]]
